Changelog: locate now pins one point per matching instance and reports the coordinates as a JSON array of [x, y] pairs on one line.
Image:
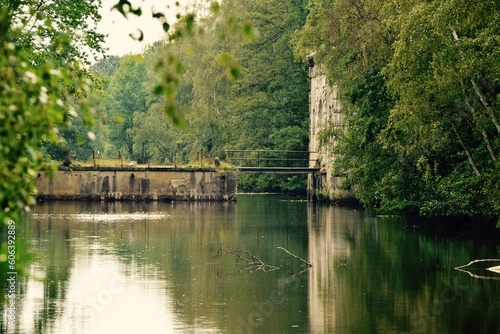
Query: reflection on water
[[198, 267], [383, 275]]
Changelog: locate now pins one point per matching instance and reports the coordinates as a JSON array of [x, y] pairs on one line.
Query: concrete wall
[[324, 110], [100, 183]]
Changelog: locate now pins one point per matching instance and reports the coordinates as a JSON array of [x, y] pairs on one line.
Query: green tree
[[268, 104], [446, 114], [106, 67], [240, 87], [419, 86], [351, 42], [128, 96], [155, 136], [72, 139], [38, 96], [43, 83]]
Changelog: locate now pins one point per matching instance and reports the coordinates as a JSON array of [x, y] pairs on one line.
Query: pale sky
[[118, 28]]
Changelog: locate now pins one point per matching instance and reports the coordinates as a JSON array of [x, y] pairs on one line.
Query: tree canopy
[[43, 86], [228, 81], [43, 89], [418, 79], [420, 88]]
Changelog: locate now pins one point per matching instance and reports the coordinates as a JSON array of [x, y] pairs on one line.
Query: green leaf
[[249, 31], [80, 140], [165, 26], [189, 22], [178, 121], [225, 59], [215, 7], [158, 15], [233, 72], [123, 6], [137, 11], [170, 109], [159, 90]]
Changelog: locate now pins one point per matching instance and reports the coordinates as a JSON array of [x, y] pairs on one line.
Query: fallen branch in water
[[495, 269], [254, 263], [477, 261], [295, 256]]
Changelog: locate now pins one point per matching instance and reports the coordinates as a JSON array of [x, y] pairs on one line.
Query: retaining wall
[[155, 184]]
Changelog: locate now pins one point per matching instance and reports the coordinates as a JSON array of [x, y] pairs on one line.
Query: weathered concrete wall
[[324, 110], [101, 183]]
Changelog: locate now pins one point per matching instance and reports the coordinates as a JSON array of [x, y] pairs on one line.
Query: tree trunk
[[469, 156], [485, 135], [485, 104], [478, 91]]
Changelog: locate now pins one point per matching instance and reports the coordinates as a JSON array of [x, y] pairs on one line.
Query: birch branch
[[477, 261], [295, 256], [469, 156], [485, 135], [493, 269], [477, 90], [254, 263]]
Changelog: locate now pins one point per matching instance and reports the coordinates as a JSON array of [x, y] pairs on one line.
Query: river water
[[266, 264]]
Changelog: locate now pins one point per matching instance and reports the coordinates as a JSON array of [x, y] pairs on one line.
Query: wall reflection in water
[[385, 275], [156, 268]]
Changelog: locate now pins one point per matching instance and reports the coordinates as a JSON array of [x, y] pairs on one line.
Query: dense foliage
[[43, 85], [234, 83], [418, 79], [43, 89], [420, 86]]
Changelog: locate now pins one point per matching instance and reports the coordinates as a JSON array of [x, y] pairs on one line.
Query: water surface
[[215, 268]]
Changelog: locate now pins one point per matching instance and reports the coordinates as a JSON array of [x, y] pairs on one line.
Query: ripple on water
[[103, 217]]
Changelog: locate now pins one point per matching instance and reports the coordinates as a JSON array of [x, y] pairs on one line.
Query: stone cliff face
[[324, 111]]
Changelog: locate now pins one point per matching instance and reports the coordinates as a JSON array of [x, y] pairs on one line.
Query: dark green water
[[216, 268]]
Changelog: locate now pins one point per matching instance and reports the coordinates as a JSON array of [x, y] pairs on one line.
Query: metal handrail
[[282, 151], [267, 155]]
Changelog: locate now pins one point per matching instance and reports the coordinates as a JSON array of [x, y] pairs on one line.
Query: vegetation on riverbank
[[418, 82], [237, 86], [421, 99]]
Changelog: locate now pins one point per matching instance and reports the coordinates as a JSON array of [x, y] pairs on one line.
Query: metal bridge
[[272, 161]]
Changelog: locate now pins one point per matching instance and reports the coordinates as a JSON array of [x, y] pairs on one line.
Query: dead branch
[[254, 263], [480, 276], [477, 261], [295, 256], [492, 269], [495, 269]]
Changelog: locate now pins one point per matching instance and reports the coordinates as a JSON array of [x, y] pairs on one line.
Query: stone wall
[[324, 110], [101, 183]]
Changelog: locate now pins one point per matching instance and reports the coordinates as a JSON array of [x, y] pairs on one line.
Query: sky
[[118, 27]]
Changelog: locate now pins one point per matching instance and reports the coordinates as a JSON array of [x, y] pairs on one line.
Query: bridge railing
[[269, 158]]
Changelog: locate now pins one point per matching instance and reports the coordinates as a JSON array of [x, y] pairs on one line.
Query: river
[[266, 264]]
